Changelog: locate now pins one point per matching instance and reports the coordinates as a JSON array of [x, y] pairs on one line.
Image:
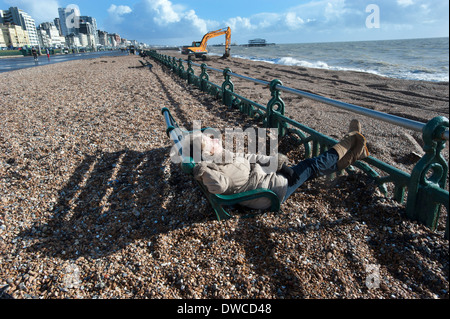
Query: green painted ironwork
[[204, 78], [424, 186], [422, 204], [181, 72], [275, 107], [190, 72], [227, 88]]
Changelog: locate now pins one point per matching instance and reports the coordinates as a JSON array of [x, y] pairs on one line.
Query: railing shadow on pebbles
[[111, 200]]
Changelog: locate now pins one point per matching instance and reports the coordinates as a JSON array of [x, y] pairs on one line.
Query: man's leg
[[349, 150], [310, 168]]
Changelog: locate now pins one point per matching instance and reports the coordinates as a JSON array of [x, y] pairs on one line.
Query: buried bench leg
[[221, 213]]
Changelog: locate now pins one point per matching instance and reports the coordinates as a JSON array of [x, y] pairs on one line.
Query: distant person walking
[[48, 54], [34, 53]]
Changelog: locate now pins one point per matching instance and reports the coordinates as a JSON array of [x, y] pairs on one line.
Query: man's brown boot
[[357, 152], [352, 147], [355, 126]]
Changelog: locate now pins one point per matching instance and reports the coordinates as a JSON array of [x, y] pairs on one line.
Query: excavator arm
[[199, 48]]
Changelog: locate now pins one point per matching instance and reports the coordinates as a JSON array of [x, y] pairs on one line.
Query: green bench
[[176, 134]]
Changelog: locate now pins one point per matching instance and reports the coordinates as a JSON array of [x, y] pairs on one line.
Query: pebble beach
[[91, 206]]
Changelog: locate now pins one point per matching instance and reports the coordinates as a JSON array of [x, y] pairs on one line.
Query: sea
[[412, 59]]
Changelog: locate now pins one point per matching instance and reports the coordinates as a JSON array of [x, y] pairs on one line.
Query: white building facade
[[49, 36], [19, 17]]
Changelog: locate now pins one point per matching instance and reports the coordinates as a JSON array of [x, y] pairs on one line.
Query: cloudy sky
[[178, 22]]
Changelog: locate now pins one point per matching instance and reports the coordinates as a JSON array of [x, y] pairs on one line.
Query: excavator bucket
[[226, 54]]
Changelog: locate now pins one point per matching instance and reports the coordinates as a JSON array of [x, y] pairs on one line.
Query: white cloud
[[198, 23], [405, 3], [294, 22], [323, 13], [119, 10], [40, 11], [265, 20], [239, 23], [163, 12], [335, 10], [158, 21], [116, 13]]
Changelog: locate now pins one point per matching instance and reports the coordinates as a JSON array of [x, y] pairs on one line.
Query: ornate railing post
[[204, 78], [168, 61], [227, 88], [429, 173], [181, 69], [190, 72], [275, 105], [174, 64]]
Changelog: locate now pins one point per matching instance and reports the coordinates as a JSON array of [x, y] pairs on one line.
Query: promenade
[[21, 62]]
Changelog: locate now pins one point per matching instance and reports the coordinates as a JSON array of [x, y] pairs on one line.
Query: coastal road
[[11, 64]]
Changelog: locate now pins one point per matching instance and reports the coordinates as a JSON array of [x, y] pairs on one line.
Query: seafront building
[[2, 40], [13, 36], [73, 24], [87, 35], [66, 20], [49, 36], [70, 29], [102, 38], [18, 17], [114, 39], [57, 24], [88, 25], [73, 41]]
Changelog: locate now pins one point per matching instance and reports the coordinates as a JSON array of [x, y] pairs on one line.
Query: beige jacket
[[246, 172]]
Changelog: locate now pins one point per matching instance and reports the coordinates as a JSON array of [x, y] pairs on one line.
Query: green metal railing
[[425, 185]]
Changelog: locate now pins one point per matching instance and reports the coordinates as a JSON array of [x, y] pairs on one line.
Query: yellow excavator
[[198, 49]]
